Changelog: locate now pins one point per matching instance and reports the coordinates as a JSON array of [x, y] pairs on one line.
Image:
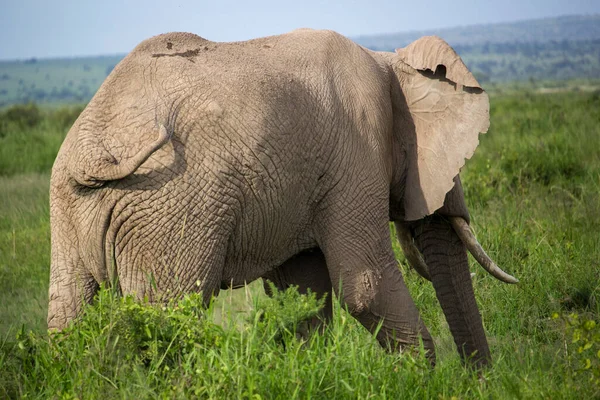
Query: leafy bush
[[280, 314], [583, 344], [115, 334], [120, 335], [25, 115], [19, 117]]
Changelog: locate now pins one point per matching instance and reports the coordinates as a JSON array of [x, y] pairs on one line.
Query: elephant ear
[[448, 109]]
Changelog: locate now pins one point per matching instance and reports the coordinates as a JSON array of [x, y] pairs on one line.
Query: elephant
[[201, 165]]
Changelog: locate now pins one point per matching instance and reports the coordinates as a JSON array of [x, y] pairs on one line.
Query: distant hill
[[546, 49], [543, 49], [568, 28]]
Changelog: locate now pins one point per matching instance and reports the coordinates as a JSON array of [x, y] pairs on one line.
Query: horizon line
[[353, 37]]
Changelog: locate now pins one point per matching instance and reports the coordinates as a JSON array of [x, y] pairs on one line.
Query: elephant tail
[[94, 165]]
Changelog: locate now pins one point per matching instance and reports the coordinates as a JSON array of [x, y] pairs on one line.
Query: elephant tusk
[[412, 254], [464, 232]]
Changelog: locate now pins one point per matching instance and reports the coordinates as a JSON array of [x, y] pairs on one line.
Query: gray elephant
[[201, 165]]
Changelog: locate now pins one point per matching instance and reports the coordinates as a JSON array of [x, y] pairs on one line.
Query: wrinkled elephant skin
[[200, 165]]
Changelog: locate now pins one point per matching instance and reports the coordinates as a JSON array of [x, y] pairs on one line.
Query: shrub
[[583, 344], [20, 116], [66, 116], [26, 115], [280, 314], [117, 337]]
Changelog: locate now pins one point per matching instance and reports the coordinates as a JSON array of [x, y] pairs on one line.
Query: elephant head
[[440, 110]]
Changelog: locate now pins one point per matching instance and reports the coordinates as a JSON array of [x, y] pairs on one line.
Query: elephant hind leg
[[68, 293], [307, 270]]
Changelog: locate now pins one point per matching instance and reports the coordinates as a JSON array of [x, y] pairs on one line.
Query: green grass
[[30, 137], [121, 348], [533, 189], [24, 252]]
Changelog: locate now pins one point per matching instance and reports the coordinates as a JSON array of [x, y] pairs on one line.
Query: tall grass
[[533, 189]]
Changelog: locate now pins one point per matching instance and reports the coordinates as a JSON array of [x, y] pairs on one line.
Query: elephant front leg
[[379, 295], [359, 256], [307, 270]]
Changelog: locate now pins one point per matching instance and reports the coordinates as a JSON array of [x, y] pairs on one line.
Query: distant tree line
[[532, 49], [503, 62], [32, 94], [25, 116]]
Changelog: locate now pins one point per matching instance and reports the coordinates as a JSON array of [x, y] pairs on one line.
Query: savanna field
[[533, 188]]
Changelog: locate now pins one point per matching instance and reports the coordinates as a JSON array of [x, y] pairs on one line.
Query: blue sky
[[66, 28]]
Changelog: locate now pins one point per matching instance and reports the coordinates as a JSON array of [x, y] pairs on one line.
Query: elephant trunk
[[446, 256]]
